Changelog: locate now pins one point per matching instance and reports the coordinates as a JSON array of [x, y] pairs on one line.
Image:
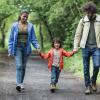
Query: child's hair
[[56, 40]]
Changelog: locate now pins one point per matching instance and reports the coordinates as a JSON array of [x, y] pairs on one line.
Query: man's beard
[[92, 17]]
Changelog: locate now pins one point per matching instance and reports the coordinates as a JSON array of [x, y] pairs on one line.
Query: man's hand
[[75, 50]]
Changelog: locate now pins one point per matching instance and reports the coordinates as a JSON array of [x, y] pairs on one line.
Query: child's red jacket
[[50, 56]]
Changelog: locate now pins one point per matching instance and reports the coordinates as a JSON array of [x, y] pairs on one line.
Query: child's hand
[[71, 53]]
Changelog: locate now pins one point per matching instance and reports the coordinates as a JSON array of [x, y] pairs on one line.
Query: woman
[[21, 36]]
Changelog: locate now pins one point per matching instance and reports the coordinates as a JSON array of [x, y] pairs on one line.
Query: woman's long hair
[[19, 18]]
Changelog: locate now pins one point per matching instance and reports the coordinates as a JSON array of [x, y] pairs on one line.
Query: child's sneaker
[[53, 86], [56, 86]]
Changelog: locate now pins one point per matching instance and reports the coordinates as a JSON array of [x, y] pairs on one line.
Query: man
[[88, 38]]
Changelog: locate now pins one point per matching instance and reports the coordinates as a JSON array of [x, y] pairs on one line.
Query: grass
[[3, 50], [74, 63]]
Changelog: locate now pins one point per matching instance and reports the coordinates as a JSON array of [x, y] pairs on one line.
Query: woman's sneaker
[[18, 88], [22, 87]]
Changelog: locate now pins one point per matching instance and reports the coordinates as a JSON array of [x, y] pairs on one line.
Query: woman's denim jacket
[[12, 44]]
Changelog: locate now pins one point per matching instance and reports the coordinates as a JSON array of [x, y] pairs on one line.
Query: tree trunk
[[47, 26], [41, 36], [3, 35], [3, 40]]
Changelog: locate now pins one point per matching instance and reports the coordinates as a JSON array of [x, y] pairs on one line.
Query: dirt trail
[[37, 81]]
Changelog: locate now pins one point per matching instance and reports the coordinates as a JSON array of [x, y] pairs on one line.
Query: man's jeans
[[20, 61], [55, 72], [95, 54]]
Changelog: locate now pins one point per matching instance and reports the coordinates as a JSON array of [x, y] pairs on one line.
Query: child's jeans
[[55, 72]]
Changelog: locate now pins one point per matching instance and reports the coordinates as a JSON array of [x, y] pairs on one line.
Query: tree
[[59, 17], [4, 14]]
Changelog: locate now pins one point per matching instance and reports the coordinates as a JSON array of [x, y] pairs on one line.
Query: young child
[[55, 63]]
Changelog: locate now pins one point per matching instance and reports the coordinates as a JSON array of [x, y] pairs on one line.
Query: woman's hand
[[38, 51], [9, 55]]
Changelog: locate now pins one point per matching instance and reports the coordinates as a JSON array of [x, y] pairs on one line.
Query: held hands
[[73, 52], [38, 51]]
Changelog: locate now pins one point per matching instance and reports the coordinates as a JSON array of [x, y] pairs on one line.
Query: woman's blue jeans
[[55, 72], [20, 61], [95, 54]]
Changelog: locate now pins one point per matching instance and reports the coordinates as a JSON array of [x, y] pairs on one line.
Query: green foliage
[[74, 64], [6, 9], [3, 50], [59, 17]]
